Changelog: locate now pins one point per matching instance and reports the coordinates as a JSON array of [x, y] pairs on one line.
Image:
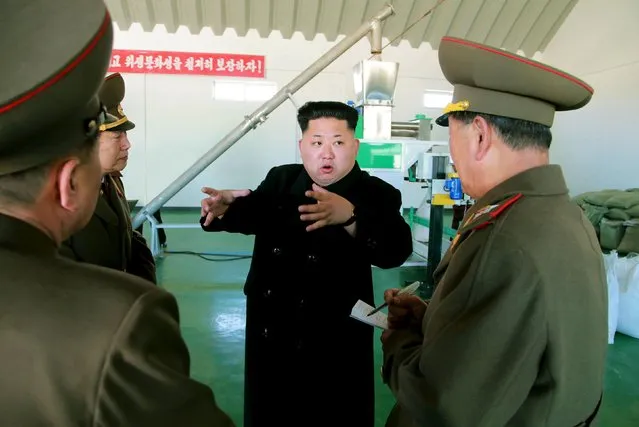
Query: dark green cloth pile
[[615, 216]]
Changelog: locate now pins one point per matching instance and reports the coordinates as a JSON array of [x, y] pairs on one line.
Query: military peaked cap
[[492, 81], [54, 57], [111, 94]]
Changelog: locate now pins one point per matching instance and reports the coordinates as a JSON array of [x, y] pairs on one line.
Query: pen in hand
[[410, 289]]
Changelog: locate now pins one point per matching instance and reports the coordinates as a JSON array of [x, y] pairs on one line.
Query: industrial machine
[[402, 153], [386, 146]]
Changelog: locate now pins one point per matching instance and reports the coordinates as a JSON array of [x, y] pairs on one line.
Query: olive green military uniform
[[109, 239], [80, 345], [516, 331]]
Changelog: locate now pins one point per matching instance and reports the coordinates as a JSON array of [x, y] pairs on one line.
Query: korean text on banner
[[187, 63]]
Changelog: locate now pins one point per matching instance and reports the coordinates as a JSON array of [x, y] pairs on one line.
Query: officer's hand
[[387, 333], [218, 202], [404, 310]]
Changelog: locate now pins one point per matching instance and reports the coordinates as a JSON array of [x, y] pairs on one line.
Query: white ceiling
[[515, 25]]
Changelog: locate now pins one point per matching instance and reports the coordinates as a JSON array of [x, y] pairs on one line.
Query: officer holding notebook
[[516, 331]]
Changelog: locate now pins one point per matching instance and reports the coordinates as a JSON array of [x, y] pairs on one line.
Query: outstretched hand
[[218, 201], [330, 209]]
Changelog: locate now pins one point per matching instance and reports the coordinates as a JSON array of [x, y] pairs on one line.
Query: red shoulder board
[[486, 215]]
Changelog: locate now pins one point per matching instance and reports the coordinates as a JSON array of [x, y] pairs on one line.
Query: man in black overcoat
[[319, 227]]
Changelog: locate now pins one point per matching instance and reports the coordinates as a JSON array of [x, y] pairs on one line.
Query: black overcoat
[[306, 359]]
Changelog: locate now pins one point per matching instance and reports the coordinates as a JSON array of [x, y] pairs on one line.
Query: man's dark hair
[[517, 134], [23, 187], [323, 109]]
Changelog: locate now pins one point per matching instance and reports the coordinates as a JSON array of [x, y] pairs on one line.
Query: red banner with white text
[[187, 63]]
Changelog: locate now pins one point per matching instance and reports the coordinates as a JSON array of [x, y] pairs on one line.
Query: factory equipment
[[434, 172], [374, 84], [402, 153], [387, 147], [418, 129]]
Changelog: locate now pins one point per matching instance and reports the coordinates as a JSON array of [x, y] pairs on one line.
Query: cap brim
[[442, 120], [126, 126], [113, 124]]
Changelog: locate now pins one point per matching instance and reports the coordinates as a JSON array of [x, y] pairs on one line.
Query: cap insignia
[[457, 106]]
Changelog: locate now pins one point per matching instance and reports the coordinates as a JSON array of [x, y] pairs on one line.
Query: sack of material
[[627, 271], [610, 233], [610, 261]]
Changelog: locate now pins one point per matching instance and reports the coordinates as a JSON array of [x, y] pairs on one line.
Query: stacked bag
[[622, 275], [615, 216]]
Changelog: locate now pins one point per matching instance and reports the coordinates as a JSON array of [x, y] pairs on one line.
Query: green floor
[[212, 313]]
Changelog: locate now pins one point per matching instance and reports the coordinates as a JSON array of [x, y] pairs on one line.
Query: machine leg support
[[436, 228]]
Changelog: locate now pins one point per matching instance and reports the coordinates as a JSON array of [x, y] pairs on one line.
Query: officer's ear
[[482, 137], [78, 179], [68, 183]]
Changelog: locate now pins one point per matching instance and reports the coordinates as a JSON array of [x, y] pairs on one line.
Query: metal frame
[[259, 116], [436, 226]]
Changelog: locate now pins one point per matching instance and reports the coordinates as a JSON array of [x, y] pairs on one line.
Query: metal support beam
[[375, 38], [436, 226], [260, 115], [295, 104], [155, 239]]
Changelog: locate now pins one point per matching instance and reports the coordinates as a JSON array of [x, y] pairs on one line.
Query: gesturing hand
[[330, 209], [218, 202]]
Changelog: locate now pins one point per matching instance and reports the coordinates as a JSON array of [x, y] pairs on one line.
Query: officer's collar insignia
[[487, 214], [454, 242], [482, 211]]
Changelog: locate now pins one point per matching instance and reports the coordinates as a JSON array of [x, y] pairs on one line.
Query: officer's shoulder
[[493, 214], [120, 289], [517, 220]]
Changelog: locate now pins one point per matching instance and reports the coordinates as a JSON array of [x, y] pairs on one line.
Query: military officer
[[515, 333], [109, 239], [319, 225], [80, 345]]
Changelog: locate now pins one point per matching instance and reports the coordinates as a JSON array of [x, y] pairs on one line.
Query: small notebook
[[360, 312]]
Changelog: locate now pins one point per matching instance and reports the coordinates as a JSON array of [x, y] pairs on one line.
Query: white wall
[[598, 146], [178, 120]]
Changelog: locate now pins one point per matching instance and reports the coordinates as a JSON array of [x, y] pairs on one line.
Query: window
[[229, 90], [437, 98]]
